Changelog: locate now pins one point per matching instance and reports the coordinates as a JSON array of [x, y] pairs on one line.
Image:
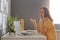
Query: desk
[[22, 37]]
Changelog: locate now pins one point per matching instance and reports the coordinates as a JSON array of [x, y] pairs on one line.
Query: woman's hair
[[46, 14]]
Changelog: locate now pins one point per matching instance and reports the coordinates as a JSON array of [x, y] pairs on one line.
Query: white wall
[[55, 10]]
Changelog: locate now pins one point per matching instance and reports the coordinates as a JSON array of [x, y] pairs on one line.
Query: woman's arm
[[38, 26]]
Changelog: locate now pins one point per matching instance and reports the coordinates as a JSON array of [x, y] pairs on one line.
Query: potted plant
[[10, 23]]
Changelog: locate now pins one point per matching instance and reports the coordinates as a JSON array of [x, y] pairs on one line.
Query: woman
[[45, 25]]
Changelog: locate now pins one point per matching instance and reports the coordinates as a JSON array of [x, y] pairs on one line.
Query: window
[[3, 15], [55, 10], [0, 21]]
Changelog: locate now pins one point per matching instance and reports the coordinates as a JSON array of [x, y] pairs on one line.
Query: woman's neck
[[44, 18]]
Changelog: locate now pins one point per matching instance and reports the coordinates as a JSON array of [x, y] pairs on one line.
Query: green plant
[[10, 22]]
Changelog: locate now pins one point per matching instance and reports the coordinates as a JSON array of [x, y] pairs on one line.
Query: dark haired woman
[[45, 25]]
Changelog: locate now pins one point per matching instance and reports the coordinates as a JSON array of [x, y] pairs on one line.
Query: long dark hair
[[47, 14]]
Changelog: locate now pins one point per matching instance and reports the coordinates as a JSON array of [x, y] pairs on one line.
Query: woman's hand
[[33, 21]]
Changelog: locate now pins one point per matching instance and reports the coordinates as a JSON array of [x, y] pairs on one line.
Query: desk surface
[[30, 36], [22, 36]]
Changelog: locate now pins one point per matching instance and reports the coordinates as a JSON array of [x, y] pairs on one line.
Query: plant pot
[[12, 34]]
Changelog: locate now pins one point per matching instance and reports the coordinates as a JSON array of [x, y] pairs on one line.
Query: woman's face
[[42, 13]]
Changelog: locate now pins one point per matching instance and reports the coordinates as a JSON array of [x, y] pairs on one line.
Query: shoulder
[[47, 20]]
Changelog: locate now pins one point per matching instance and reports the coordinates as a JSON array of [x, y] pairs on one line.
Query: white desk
[[29, 37]]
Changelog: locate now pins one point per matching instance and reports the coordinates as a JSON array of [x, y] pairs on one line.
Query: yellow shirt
[[48, 29]]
